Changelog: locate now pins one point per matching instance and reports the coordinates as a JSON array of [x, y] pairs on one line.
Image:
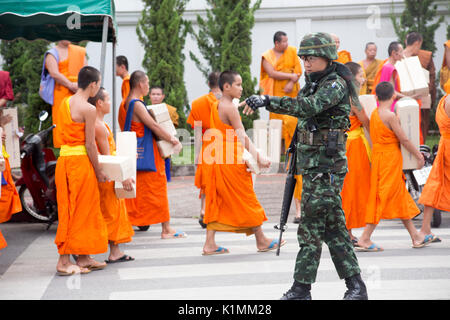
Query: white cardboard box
[[408, 112], [167, 149], [117, 168], [168, 125], [12, 143], [159, 112], [126, 146], [251, 162], [369, 104], [412, 77]]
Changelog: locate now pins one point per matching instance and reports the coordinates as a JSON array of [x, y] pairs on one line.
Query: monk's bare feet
[[367, 245], [70, 269], [85, 261]]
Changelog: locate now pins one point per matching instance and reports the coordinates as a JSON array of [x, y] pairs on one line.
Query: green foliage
[[224, 40], [418, 16], [23, 60], [162, 31]]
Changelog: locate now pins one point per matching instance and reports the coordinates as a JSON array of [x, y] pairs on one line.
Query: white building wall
[[355, 22]]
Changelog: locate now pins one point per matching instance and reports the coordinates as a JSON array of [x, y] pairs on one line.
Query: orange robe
[[445, 71], [81, 227], [201, 111], [113, 209], [356, 186], [388, 197], [3, 243], [436, 192], [289, 62], [344, 57], [125, 91], [151, 205], [230, 201], [70, 69], [9, 199], [370, 73]]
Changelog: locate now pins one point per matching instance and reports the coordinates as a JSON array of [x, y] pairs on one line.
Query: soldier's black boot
[[298, 291], [356, 288]]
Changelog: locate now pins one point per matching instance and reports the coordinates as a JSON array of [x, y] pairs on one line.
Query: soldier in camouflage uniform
[[322, 108]]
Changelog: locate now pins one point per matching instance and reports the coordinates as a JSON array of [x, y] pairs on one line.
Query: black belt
[[319, 137]]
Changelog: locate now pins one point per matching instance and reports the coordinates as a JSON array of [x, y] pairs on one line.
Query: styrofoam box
[[117, 168], [168, 125], [126, 145], [251, 162], [412, 77], [159, 112], [408, 112], [167, 149], [12, 143], [369, 104]]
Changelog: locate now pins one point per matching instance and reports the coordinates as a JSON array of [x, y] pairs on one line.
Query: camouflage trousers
[[322, 219]]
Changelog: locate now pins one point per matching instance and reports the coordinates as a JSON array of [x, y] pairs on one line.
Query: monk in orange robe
[[445, 69], [343, 56], [436, 192], [113, 209], [199, 120], [280, 72], [122, 72], [65, 71], [231, 203], [81, 230], [356, 186], [388, 197], [9, 199], [151, 205], [370, 66]]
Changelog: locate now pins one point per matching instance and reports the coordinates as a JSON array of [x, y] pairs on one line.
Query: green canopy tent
[[92, 20]]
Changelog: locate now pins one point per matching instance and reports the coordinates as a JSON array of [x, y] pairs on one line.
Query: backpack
[[47, 85]]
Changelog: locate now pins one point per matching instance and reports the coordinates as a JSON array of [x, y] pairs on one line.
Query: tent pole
[[103, 53], [114, 109]]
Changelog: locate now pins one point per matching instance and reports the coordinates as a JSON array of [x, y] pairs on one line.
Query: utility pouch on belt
[[323, 137], [332, 143]]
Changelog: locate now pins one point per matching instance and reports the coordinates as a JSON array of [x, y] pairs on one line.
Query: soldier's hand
[[256, 101]]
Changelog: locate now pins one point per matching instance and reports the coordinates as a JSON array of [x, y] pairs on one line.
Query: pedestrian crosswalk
[[175, 269]]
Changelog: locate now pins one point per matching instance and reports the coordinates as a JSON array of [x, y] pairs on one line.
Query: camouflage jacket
[[325, 97]]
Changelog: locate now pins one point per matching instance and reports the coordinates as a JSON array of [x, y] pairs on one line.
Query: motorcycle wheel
[[28, 205], [437, 218]]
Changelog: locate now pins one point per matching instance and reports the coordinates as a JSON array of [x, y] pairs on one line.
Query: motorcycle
[[415, 190], [37, 189]]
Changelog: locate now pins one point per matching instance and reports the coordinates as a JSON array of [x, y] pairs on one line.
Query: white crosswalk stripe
[[175, 269]]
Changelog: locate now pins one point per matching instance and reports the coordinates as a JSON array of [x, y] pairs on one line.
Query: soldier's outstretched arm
[[327, 95]]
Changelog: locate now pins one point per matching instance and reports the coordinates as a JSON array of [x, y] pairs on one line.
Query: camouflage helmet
[[319, 44]]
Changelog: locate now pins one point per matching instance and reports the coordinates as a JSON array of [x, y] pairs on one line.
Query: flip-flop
[[123, 258], [427, 240], [372, 248], [72, 270], [176, 235], [273, 245], [220, 250], [435, 238]]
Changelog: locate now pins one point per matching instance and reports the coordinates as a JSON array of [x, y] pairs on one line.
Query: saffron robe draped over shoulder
[[445, 71], [230, 201], [356, 186], [201, 111], [388, 197], [9, 199], [370, 73], [289, 62], [113, 209], [344, 57], [70, 69], [122, 114], [81, 227], [151, 205], [436, 192]]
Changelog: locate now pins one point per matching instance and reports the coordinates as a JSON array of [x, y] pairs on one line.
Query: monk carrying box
[[113, 209], [151, 205], [230, 201], [81, 230], [388, 197]]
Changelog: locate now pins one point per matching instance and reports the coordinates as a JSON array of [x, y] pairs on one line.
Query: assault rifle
[[291, 158]]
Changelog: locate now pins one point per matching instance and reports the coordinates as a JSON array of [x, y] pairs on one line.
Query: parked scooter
[[37, 188], [415, 190]]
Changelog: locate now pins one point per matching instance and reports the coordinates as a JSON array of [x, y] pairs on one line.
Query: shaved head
[[135, 78]]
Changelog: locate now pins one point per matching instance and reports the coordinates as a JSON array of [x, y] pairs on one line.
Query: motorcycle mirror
[[43, 115]]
